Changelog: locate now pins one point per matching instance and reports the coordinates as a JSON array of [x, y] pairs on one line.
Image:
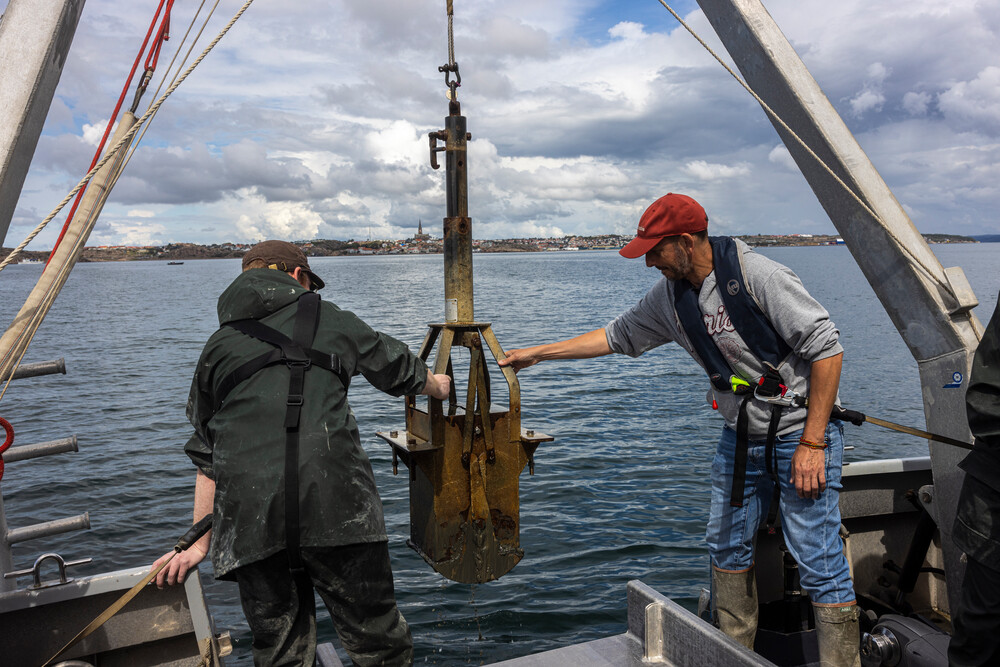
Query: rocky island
[[421, 244]]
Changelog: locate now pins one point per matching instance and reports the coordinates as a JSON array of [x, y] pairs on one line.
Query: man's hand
[[178, 568], [437, 386], [518, 359], [586, 346], [809, 471]]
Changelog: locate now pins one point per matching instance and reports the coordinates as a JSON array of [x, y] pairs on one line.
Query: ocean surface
[[621, 494]]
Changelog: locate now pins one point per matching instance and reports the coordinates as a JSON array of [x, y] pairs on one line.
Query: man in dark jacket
[[976, 639], [272, 423]]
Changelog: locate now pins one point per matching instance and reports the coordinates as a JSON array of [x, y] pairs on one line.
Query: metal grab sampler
[[465, 463]]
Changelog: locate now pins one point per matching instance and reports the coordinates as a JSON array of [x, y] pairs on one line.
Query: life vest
[[761, 339], [298, 355], [743, 311]]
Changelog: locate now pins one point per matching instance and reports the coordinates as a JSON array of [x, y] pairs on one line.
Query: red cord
[[8, 441], [161, 36]]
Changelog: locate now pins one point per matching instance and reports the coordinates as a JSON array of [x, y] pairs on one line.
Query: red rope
[[162, 36], [8, 441]]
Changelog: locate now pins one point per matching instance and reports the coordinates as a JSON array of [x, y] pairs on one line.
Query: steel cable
[[32, 325], [141, 121], [932, 272]]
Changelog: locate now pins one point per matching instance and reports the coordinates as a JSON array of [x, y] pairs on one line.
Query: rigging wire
[[451, 32], [135, 144], [451, 66], [31, 326], [161, 35], [933, 273], [151, 111]]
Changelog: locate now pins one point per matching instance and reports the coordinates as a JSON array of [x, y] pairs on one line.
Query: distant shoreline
[[424, 245]]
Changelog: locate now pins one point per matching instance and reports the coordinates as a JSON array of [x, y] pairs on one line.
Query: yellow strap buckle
[[738, 384]]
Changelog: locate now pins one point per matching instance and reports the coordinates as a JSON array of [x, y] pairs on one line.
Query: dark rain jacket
[[982, 404], [241, 445]]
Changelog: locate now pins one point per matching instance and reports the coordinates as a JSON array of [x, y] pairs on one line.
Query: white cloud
[[871, 97], [867, 100], [140, 213], [280, 220], [975, 104], [111, 231], [628, 31], [916, 104], [398, 142], [707, 171], [779, 155], [92, 133]]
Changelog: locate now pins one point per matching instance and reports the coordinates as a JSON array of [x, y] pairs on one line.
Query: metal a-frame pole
[[930, 306], [35, 36]]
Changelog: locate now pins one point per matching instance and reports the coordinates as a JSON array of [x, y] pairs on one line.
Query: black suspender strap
[[769, 384], [244, 372], [306, 320], [771, 462], [740, 460], [284, 347]]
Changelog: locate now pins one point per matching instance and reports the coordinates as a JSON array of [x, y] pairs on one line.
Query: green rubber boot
[[838, 636], [736, 604]]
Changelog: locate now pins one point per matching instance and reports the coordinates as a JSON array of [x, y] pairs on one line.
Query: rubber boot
[[736, 604], [838, 636]]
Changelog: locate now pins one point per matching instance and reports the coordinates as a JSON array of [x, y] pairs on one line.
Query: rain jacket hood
[[257, 293]]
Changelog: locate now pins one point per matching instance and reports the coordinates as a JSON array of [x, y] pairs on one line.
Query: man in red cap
[[765, 344]]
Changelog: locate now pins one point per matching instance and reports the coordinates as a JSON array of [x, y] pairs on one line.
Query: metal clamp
[[36, 571], [434, 137], [786, 399], [452, 85]]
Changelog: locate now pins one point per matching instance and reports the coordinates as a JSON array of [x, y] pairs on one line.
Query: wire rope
[[153, 108], [118, 105], [451, 32], [135, 144], [932, 272], [50, 295]]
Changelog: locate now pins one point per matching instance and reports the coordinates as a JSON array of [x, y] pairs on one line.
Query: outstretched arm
[[176, 572], [586, 346], [808, 464]]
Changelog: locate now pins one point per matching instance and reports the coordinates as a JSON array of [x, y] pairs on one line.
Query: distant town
[[422, 244]]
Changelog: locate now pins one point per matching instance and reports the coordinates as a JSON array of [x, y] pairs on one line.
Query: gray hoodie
[[798, 318]]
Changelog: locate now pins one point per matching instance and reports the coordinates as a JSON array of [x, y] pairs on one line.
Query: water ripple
[[621, 494]]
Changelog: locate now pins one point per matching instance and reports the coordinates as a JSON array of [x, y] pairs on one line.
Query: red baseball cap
[[669, 215]]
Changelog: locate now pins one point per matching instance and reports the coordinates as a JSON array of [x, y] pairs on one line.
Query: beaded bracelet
[[812, 445]]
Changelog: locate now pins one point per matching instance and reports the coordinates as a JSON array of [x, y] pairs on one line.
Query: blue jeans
[[811, 528]]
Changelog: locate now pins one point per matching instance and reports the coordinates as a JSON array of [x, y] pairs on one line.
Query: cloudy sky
[[310, 119]]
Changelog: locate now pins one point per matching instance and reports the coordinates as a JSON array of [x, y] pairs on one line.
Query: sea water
[[622, 493]]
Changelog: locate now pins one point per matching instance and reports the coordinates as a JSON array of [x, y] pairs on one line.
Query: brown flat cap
[[283, 256]]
